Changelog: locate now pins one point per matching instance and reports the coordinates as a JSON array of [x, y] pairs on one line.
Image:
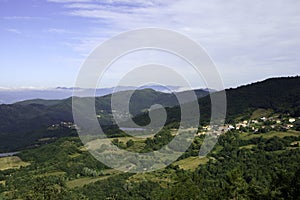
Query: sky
[[45, 42]]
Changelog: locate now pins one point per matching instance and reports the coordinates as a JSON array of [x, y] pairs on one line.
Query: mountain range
[[9, 96], [25, 123]]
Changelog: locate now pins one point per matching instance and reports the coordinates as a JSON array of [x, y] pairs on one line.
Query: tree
[[236, 185], [129, 143]]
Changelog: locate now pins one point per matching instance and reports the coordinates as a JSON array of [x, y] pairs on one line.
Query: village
[[258, 125], [69, 125]]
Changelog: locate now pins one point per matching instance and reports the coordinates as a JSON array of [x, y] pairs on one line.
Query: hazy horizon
[[14, 95]]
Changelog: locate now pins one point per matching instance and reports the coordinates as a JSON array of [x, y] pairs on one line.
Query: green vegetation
[[12, 162], [239, 167], [270, 134], [256, 157], [23, 124], [191, 163], [261, 113], [83, 181]]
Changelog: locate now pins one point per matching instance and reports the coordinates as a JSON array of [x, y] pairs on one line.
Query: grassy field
[[84, 181], [87, 180], [12, 162], [268, 135], [159, 176], [295, 143], [261, 113], [95, 144], [217, 149], [191, 163], [250, 146], [74, 155]]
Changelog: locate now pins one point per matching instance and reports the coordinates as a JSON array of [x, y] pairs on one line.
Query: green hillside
[[267, 169], [24, 123], [279, 94], [257, 158]]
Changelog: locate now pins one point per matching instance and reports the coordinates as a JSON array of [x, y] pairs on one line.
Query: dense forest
[[239, 167]]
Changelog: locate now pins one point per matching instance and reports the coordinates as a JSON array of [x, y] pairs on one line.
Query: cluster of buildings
[[262, 124], [69, 125], [253, 125]]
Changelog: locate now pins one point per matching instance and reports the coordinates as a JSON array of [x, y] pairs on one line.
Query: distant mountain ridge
[[9, 96]]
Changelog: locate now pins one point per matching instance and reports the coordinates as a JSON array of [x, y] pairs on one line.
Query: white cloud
[[4, 88], [243, 36], [12, 30], [23, 18], [18, 17], [84, 6], [85, 44], [56, 30], [68, 1]]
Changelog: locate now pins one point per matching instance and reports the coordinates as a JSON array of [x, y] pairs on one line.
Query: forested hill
[[279, 94], [24, 123]]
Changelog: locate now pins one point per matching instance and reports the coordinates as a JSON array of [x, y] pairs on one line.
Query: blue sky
[[44, 42]]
